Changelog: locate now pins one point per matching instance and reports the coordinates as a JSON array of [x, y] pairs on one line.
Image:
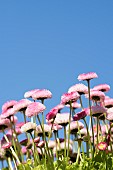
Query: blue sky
[[47, 44]]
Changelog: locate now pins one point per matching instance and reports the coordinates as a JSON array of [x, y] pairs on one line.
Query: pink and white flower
[[34, 108], [102, 87], [66, 98], [87, 76], [8, 105], [42, 94], [21, 105], [80, 88]]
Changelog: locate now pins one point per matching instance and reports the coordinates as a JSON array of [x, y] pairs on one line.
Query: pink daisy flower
[[80, 88], [51, 115], [42, 94], [97, 110], [4, 123], [47, 130], [21, 105], [24, 142], [74, 105], [6, 146], [80, 115], [59, 107], [51, 144], [20, 124], [28, 127], [34, 109], [102, 87], [74, 127], [28, 94], [110, 114], [8, 105], [8, 113], [67, 97], [108, 103], [87, 76], [55, 127], [102, 146], [62, 119], [97, 96]]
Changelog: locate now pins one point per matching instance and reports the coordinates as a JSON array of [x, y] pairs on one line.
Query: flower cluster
[[57, 134]]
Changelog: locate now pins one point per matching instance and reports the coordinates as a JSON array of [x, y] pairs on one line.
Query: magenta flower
[[42, 94], [8, 105], [66, 98], [51, 115], [21, 105], [80, 88], [102, 146], [24, 142], [34, 108], [6, 146], [87, 76], [102, 87], [80, 115]]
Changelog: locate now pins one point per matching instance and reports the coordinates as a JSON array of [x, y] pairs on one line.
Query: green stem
[[88, 81]]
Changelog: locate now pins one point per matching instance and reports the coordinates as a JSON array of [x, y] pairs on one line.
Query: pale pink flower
[[97, 110], [87, 76], [4, 123], [74, 105], [8, 105], [28, 94], [14, 119], [59, 107], [28, 127], [21, 105], [102, 87], [42, 94], [37, 140], [66, 98], [51, 144], [47, 130], [80, 88], [12, 132], [8, 113], [108, 103], [41, 144], [75, 126], [62, 119], [97, 96], [34, 108], [51, 115], [55, 127], [83, 132], [110, 114], [20, 124], [62, 146], [80, 115]]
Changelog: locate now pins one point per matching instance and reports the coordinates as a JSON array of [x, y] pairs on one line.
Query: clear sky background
[[47, 44]]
